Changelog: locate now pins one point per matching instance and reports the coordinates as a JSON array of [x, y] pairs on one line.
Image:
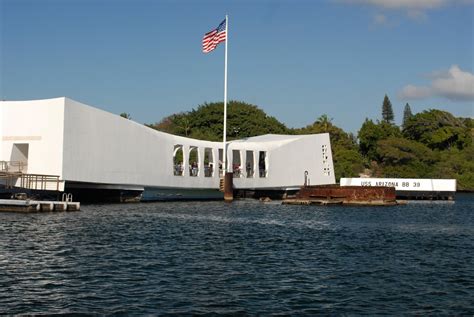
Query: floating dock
[[13, 205], [347, 195]]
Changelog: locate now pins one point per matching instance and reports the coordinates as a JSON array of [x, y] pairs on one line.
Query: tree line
[[429, 144]]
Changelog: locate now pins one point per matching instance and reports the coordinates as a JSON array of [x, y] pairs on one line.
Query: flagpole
[[225, 96]]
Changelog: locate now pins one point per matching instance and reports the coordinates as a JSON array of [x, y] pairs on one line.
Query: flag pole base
[[228, 187]]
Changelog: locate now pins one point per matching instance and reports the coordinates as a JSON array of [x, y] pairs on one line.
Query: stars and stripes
[[216, 36]]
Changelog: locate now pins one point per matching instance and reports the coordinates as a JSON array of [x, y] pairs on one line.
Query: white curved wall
[[103, 148], [84, 144], [39, 124]]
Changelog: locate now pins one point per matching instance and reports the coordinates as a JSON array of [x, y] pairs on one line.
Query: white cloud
[[380, 19], [415, 9], [415, 92], [454, 84], [412, 4], [403, 4], [417, 15], [457, 84]]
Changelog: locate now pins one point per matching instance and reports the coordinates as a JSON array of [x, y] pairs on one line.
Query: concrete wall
[[1, 131], [39, 124], [287, 161], [84, 144], [101, 147], [404, 184]]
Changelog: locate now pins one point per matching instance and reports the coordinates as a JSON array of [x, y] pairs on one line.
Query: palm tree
[[325, 122], [184, 123]]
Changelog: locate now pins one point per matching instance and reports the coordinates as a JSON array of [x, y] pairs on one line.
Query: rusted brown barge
[[347, 195]]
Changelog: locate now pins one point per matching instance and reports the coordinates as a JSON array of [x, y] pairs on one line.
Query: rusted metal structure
[[348, 195], [228, 187]]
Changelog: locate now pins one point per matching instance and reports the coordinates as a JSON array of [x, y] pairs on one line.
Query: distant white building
[[92, 150], [409, 188]]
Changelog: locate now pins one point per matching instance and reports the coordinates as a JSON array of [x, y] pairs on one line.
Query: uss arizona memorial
[[91, 151]]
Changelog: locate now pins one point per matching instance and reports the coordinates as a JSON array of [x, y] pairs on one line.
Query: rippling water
[[245, 257]]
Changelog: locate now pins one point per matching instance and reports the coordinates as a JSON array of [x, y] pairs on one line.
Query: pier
[[31, 192], [13, 205]]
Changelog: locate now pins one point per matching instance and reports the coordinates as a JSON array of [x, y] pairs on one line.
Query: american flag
[[216, 36]]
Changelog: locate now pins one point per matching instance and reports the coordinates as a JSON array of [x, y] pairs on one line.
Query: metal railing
[[39, 182], [208, 170], [178, 170], [238, 172], [193, 171], [30, 181], [8, 180], [13, 166], [14, 177]]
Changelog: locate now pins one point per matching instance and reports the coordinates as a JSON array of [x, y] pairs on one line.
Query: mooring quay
[[13, 205]]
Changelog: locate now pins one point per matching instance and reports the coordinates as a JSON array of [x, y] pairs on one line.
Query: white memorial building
[[92, 151]]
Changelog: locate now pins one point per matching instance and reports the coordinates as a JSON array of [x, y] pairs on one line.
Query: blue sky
[[294, 59]]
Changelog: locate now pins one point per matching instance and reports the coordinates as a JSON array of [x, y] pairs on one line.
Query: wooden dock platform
[[14, 205]]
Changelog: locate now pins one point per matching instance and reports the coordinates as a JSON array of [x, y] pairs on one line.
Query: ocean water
[[246, 257]]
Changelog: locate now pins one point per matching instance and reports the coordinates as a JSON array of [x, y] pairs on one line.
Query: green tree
[[206, 122], [126, 115], [433, 143], [405, 158], [325, 122], [400, 151], [324, 125], [183, 123], [347, 162], [407, 114], [438, 130], [370, 133], [178, 124], [387, 111], [457, 164]]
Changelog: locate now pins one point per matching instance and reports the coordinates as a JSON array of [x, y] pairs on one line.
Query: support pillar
[[228, 186]]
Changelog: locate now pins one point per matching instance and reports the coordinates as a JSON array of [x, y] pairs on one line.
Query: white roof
[[270, 139]]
